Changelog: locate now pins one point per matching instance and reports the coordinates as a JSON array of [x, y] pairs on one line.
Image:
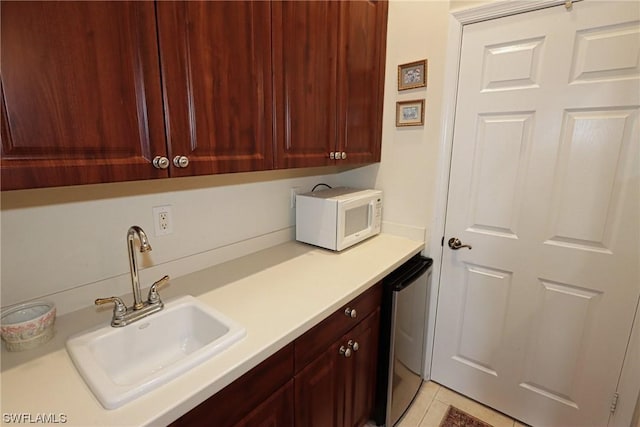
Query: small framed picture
[[412, 75], [410, 113]]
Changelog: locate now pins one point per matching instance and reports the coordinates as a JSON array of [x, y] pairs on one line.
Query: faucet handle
[[119, 309], [154, 297]]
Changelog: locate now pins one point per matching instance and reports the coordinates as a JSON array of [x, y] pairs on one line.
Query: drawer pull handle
[[354, 345], [350, 312], [346, 352]]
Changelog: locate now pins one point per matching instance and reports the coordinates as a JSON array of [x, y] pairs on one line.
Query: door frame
[[629, 382]]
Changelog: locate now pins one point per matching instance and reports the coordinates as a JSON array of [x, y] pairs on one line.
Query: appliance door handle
[[412, 277], [370, 220]]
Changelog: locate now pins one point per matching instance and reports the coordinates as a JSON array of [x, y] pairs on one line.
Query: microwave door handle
[[371, 208]]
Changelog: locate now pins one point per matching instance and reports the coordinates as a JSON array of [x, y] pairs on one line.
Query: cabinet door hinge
[[614, 402], [442, 242]]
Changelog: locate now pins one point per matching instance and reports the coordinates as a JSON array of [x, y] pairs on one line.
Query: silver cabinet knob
[[160, 162], [181, 161], [350, 312], [346, 352], [354, 345], [333, 156], [343, 155]]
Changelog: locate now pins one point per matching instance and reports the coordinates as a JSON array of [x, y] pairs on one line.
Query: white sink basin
[[120, 364]]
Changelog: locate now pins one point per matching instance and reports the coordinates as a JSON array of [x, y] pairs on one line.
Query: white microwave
[[339, 217]]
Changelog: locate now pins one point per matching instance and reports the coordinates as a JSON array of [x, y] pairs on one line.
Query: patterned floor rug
[[457, 418]]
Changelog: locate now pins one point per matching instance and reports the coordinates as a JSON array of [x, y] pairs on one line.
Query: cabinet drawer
[[321, 336]]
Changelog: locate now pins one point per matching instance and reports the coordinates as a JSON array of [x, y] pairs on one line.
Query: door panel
[[484, 303], [503, 144], [600, 54], [361, 373], [276, 411], [216, 68], [556, 342], [361, 87], [535, 319], [319, 391], [81, 99], [304, 64], [600, 139]]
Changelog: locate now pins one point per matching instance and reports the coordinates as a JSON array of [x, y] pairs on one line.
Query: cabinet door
[[216, 69], [251, 392], [305, 36], [319, 391], [277, 411], [360, 376], [361, 79], [81, 97]]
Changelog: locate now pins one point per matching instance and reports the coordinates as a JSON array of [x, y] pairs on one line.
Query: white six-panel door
[[545, 186]]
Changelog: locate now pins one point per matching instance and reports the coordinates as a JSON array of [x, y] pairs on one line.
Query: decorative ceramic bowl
[[28, 325]]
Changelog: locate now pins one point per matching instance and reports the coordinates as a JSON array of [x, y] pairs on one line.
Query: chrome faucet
[[133, 265], [123, 315]]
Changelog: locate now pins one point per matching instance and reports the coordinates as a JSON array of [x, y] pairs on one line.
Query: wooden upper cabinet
[[216, 67], [361, 79], [92, 92], [305, 37], [81, 95], [329, 60]]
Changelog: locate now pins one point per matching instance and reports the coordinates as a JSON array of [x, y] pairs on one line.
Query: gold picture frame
[[412, 75], [410, 113]]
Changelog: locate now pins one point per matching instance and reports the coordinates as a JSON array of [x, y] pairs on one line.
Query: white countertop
[[277, 294]]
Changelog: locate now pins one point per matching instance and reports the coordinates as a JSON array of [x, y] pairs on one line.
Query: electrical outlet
[[162, 220], [294, 191]]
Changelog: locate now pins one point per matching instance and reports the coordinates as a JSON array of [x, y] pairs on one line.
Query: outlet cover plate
[[162, 220], [294, 191]]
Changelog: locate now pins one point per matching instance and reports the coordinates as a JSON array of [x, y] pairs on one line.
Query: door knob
[[455, 244]]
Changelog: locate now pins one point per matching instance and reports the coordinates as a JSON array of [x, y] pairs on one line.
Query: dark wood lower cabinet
[[337, 389], [319, 393], [253, 391], [325, 378], [360, 376], [276, 411]]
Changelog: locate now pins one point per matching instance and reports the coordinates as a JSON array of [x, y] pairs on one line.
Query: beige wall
[[68, 244]]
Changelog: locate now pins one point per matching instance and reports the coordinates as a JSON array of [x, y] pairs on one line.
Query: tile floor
[[432, 403]]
